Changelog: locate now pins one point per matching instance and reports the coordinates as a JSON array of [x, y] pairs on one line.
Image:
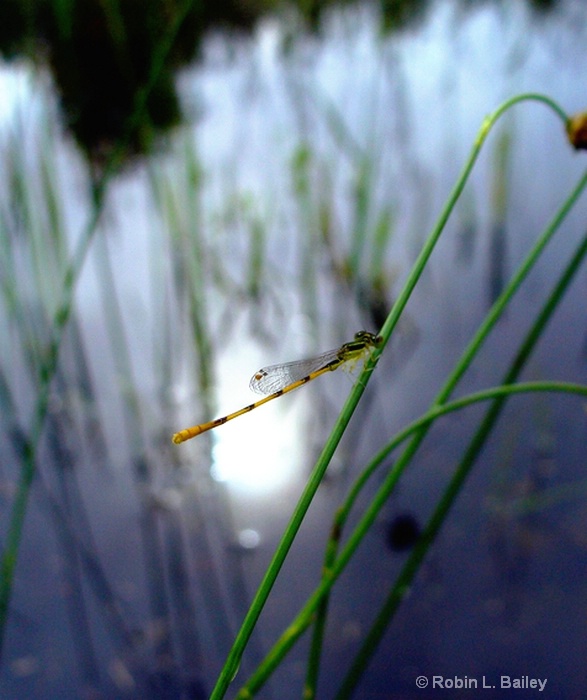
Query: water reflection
[[148, 563], [106, 62]]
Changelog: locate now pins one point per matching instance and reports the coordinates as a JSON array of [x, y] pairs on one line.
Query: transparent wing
[[270, 379]]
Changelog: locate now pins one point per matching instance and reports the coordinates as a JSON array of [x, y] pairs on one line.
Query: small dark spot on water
[[402, 532]]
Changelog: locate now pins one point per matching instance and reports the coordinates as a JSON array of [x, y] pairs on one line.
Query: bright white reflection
[[249, 538], [14, 89], [259, 452]]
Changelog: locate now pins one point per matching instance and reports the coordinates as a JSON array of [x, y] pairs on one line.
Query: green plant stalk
[[475, 344], [179, 202], [532, 503], [360, 228], [430, 243], [41, 260], [22, 212], [46, 373], [382, 236], [174, 257], [196, 262], [460, 368], [233, 661], [133, 415], [54, 225], [463, 470], [49, 364], [307, 614], [468, 355], [364, 170], [159, 256], [309, 217], [256, 681]]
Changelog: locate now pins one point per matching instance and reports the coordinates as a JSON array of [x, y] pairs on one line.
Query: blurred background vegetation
[[99, 52]]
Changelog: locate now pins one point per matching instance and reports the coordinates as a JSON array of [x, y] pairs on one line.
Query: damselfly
[[277, 380]]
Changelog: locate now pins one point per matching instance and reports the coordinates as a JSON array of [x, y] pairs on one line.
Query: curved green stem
[[307, 614], [470, 352], [463, 470], [293, 631], [49, 365]]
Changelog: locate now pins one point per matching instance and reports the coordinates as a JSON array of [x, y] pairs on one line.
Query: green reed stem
[[463, 470], [307, 615], [49, 363], [293, 631], [462, 365]]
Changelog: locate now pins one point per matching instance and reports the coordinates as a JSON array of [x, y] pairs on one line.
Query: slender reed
[[307, 614], [452, 491], [59, 322]]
